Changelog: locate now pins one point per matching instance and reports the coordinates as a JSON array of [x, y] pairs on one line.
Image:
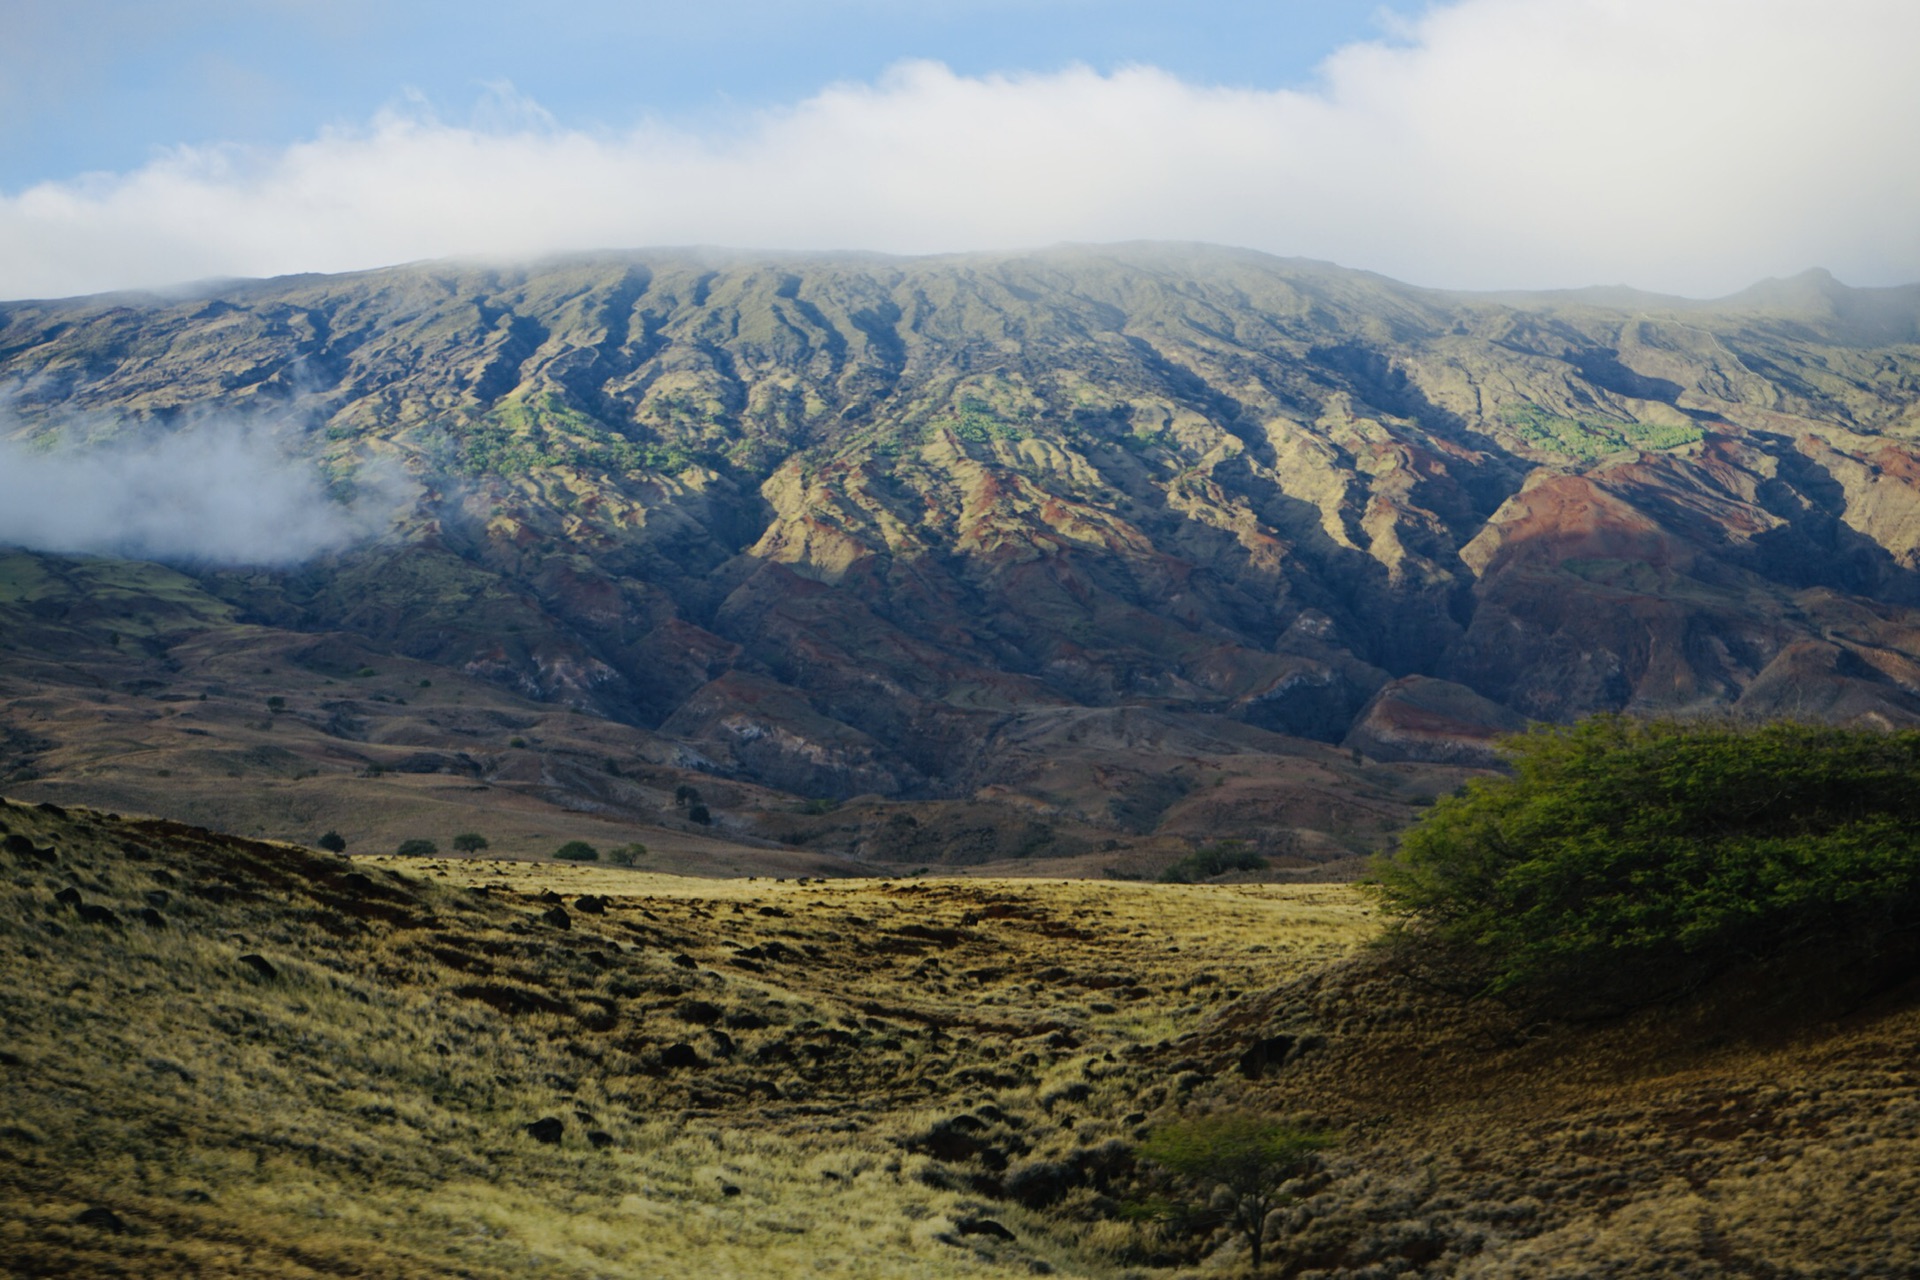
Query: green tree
[[577, 851], [1213, 860], [333, 842], [417, 848], [469, 842], [1248, 1155], [1626, 855], [626, 855]]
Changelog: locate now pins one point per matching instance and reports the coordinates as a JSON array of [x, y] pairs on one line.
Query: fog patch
[[213, 494]]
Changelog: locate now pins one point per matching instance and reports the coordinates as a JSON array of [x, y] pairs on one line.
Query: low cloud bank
[[207, 495], [1692, 146]]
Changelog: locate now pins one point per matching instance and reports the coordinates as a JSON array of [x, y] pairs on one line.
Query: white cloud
[[1687, 145], [218, 493]]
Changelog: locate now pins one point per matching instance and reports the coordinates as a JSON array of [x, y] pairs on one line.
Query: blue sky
[[1688, 146], [101, 84]]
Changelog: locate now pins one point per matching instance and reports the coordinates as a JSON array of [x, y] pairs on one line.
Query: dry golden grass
[[363, 1110]]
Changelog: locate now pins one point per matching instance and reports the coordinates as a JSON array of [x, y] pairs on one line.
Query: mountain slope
[[996, 526]]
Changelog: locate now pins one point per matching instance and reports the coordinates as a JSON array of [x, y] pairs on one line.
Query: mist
[[215, 494]]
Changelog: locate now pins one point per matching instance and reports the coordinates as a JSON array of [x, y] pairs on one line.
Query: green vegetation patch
[[1213, 860], [976, 422], [1629, 854], [522, 436], [1586, 439]]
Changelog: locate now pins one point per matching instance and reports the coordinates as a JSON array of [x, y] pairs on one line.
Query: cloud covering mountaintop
[[1689, 146]]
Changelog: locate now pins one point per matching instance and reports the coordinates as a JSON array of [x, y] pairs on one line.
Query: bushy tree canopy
[[1627, 850]]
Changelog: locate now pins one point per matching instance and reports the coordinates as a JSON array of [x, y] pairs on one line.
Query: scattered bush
[[626, 855], [333, 842], [1246, 1154], [469, 842], [417, 848], [698, 813], [516, 742], [1213, 860], [276, 703], [1629, 853], [577, 851]]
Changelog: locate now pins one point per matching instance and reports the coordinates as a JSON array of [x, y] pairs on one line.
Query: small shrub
[[699, 813], [276, 703], [577, 851], [333, 842], [516, 742], [417, 848], [1247, 1155], [469, 842], [626, 855]]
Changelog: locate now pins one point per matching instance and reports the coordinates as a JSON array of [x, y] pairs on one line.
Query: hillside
[[1051, 556], [226, 1058]]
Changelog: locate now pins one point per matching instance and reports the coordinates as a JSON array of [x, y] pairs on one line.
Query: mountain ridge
[[849, 526]]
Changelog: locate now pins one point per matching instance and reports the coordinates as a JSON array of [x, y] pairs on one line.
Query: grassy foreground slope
[[363, 1108], [492, 1069]]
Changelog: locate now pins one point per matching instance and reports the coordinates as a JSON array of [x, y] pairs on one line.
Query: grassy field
[[227, 1058], [744, 1072]]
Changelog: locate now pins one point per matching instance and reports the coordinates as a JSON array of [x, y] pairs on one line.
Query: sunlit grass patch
[[739, 1069]]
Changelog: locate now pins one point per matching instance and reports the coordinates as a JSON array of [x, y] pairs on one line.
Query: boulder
[[260, 965], [681, 1055]]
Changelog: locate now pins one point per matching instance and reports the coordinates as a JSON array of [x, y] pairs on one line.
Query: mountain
[[1090, 553]]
